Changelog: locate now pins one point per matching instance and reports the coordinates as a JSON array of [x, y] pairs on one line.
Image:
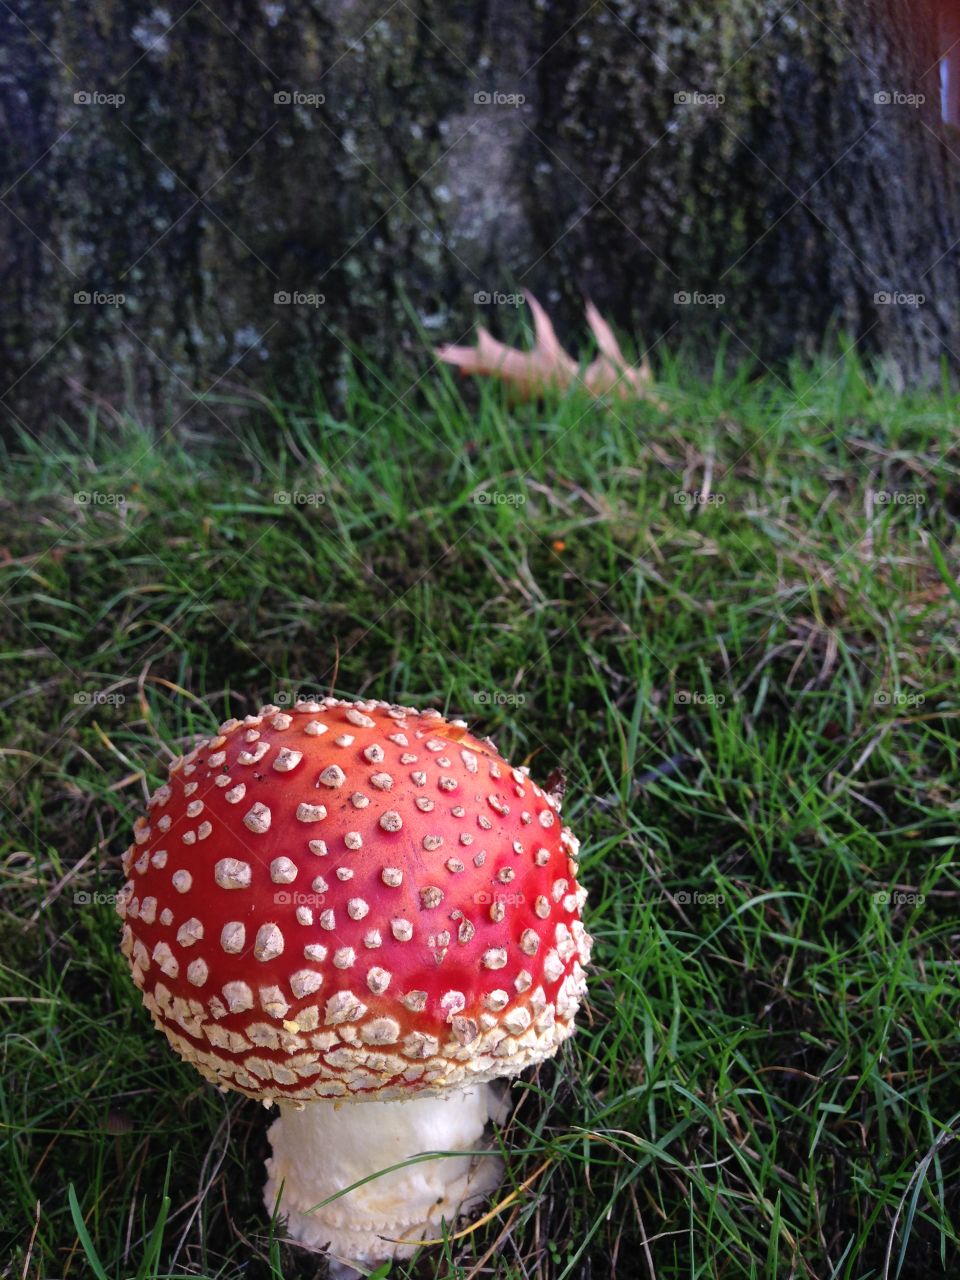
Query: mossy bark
[[799, 197]]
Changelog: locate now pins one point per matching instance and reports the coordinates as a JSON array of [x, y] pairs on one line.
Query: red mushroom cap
[[354, 900]]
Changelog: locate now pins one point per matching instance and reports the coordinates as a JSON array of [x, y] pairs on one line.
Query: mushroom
[[355, 902]]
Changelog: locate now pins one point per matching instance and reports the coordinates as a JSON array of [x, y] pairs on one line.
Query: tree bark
[[782, 166]]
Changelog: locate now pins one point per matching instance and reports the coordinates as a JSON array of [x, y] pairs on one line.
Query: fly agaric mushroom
[[356, 903]]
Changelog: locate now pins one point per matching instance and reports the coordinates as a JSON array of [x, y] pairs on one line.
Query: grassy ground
[[754, 694]]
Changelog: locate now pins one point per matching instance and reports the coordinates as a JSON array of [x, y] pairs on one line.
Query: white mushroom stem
[[328, 1146]]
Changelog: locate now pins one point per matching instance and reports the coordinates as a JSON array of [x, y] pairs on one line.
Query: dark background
[[818, 173]]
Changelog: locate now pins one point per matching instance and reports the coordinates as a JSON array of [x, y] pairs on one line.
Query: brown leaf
[[530, 373]]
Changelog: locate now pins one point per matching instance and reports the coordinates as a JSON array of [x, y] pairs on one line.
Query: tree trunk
[[742, 171]]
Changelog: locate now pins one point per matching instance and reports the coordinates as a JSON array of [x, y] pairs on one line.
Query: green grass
[[756, 705]]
